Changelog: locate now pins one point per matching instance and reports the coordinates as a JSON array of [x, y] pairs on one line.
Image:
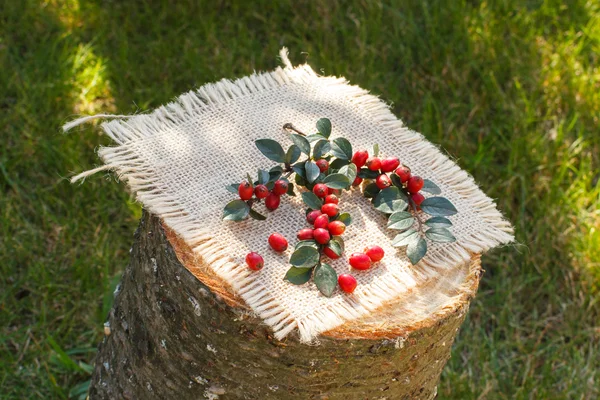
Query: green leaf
[[311, 200], [416, 250], [336, 245], [336, 181], [263, 177], [375, 150], [236, 210], [290, 190], [345, 218], [305, 257], [350, 172], [275, 173], [430, 187], [400, 220], [300, 181], [309, 243], [293, 154], [300, 169], [371, 190], [324, 127], [396, 180], [271, 149], [438, 207], [256, 215], [326, 279], [366, 173], [312, 171], [315, 138], [341, 148], [390, 200], [441, 235], [298, 276], [338, 163], [321, 148], [302, 143], [406, 237], [233, 188], [438, 222]]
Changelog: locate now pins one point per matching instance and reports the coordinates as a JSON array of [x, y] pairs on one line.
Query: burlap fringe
[[142, 181]]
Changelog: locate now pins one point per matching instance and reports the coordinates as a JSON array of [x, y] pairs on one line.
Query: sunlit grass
[[510, 89]]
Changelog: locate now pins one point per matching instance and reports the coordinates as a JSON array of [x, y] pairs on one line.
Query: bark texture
[[169, 336]]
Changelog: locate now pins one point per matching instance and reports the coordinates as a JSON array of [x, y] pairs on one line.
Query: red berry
[[336, 228], [357, 181], [383, 181], [330, 253], [360, 158], [415, 183], [272, 201], [245, 190], [330, 209], [321, 190], [374, 163], [321, 221], [337, 192], [332, 199], [360, 261], [389, 164], [347, 283], [321, 235], [403, 173], [254, 261], [323, 165], [280, 187], [375, 253], [305, 234], [312, 216], [261, 191], [278, 242], [417, 198]]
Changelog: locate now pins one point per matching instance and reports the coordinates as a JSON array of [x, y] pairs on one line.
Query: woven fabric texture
[[179, 158]]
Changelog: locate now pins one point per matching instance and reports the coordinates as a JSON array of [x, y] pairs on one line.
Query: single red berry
[[321, 221], [357, 181], [360, 158], [278, 242], [280, 187], [415, 183], [321, 190], [389, 164], [272, 201], [375, 253], [403, 173], [330, 209], [374, 163], [360, 261], [254, 261], [322, 164], [336, 228], [417, 198], [321, 235], [347, 283], [311, 216], [261, 191], [330, 253], [332, 199], [245, 190], [383, 181], [305, 234]]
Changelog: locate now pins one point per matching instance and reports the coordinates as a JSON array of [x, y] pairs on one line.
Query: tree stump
[[177, 332]]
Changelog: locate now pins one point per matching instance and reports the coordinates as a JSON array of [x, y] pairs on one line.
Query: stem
[[290, 127], [416, 214]]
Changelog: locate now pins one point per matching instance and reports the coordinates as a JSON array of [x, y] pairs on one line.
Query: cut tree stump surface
[[177, 331]]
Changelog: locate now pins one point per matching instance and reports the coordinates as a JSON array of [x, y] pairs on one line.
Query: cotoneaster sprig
[[326, 168]]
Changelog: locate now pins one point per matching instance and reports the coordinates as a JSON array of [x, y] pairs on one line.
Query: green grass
[[511, 89]]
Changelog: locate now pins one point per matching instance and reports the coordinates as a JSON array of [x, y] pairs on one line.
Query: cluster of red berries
[[277, 241], [323, 229], [360, 261], [413, 183], [272, 197]]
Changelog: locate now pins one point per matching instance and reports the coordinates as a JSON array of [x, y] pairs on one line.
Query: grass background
[[511, 89]]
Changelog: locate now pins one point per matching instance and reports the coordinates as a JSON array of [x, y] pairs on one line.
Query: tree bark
[[169, 336]]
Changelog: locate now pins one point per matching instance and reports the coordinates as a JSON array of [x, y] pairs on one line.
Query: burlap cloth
[[179, 158]]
